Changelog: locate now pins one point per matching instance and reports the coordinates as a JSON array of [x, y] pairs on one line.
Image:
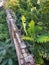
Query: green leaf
[[1, 59], [38, 28], [10, 62], [31, 29], [42, 39], [27, 38], [39, 60], [4, 62], [24, 23]]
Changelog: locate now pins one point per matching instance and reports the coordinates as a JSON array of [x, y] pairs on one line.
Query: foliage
[[33, 17], [24, 23], [7, 53], [11, 3], [43, 39], [3, 30], [7, 50], [37, 31]]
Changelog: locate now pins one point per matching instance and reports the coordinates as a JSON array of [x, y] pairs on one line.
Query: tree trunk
[[24, 57]]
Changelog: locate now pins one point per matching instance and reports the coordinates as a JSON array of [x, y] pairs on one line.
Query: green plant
[[37, 32], [7, 50], [33, 17]]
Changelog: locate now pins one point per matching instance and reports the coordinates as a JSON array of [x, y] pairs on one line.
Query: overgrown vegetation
[[7, 49], [33, 21]]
